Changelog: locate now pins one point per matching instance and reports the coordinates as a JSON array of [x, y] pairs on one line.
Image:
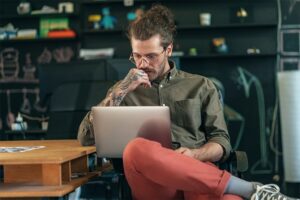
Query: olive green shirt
[[196, 111]]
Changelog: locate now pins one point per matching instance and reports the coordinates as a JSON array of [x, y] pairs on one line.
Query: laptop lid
[[114, 127]]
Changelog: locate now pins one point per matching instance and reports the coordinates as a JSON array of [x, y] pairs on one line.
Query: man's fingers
[[138, 77], [147, 85], [180, 150]]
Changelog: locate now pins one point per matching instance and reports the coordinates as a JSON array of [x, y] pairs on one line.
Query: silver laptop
[[114, 127]]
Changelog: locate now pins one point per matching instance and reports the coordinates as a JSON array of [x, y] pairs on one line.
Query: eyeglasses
[[150, 58]]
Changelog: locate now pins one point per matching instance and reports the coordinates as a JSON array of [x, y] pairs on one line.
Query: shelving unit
[[30, 49]]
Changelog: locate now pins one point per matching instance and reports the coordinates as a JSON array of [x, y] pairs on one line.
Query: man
[[155, 172]]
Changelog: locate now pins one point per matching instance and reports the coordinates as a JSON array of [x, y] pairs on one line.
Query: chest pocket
[[187, 114]]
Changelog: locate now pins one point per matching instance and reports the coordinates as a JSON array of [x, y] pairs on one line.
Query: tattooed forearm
[[125, 84], [117, 98], [105, 102], [114, 98]]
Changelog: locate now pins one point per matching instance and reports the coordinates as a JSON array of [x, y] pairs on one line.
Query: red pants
[[158, 173]]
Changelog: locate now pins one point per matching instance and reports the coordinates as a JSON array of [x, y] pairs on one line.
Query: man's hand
[[211, 152], [185, 151], [134, 78]]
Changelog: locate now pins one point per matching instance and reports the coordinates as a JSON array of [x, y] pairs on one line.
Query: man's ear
[[169, 50]]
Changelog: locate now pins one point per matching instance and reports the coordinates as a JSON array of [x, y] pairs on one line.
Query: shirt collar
[[170, 75], [173, 72]]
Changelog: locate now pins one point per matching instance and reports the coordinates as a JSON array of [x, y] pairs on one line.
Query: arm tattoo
[[113, 98], [116, 98], [105, 102], [125, 84]]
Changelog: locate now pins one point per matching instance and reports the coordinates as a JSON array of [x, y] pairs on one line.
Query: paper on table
[[19, 149]]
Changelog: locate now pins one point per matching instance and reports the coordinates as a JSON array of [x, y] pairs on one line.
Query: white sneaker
[[269, 192]]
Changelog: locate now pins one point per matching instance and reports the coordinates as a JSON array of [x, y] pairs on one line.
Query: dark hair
[[157, 20]]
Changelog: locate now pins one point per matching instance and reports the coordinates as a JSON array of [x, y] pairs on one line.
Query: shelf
[[38, 16], [38, 40], [33, 131], [168, 1], [19, 80], [32, 134], [228, 56], [103, 31], [223, 26], [91, 2]]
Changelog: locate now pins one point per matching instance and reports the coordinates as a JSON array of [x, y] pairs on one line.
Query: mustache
[[147, 70]]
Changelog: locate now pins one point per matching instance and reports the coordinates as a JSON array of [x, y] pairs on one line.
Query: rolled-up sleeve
[[85, 132], [214, 121]]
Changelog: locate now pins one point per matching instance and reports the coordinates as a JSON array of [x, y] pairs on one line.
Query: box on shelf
[[61, 34], [47, 24]]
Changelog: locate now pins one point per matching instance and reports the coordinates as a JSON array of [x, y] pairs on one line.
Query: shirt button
[[161, 85]]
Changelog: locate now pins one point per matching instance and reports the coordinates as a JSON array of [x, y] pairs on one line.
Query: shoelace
[[268, 192]]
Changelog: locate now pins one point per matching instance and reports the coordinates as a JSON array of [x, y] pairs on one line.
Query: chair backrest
[[68, 105]]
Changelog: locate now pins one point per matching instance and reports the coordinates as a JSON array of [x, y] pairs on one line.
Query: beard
[[155, 72]]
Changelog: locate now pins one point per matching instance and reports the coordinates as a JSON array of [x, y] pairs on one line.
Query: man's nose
[[143, 64]]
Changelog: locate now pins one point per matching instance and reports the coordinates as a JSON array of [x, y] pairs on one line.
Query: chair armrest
[[236, 164], [241, 160]]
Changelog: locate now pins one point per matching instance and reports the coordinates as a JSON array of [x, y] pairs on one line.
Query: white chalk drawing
[[292, 5], [25, 107], [10, 118], [29, 69], [45, 57], [63, 55], [9, 63], [246, 79], [37, 104]]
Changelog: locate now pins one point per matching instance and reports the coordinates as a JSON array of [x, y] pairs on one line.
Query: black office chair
[[237, 162]]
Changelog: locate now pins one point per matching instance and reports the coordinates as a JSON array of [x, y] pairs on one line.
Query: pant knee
[[132, 151]]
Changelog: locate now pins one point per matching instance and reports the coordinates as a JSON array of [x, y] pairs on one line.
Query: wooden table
[[53, 171]]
